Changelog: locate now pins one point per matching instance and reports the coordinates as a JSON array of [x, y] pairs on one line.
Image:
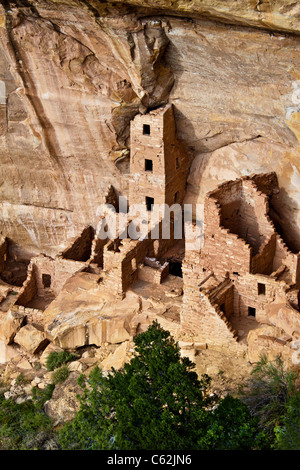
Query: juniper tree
[[156, 402]]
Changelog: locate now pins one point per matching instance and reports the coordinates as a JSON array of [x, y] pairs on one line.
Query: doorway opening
[[175, 268]]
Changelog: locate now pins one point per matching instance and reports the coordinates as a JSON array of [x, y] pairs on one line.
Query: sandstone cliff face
[[272, 14], [73, 74]]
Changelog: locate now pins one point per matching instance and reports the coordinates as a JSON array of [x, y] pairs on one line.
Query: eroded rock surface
[[73, 75]]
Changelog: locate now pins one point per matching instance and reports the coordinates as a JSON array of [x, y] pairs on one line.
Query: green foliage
[[21, 379], [156, 402], [60, 375], [58, 358], [25, 426], [288, 434], [40, 396], [268, 391], [233, 427]]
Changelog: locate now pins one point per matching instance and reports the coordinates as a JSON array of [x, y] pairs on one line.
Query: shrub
[[156, 402], [40, 396], [288, 434], [60, 375], [58, 358], [268, 391], [22, 380], [25, 426]]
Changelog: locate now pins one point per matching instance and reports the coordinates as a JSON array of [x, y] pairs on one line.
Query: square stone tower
[[158, 161]]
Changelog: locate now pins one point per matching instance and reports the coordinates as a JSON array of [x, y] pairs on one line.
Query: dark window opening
[[175, 268], [46, 278], [176, 196], [251, 311], [261, 289], [148, 165], [146, 129], [149, 203], [236, 273], [222, 307], [177, 163]]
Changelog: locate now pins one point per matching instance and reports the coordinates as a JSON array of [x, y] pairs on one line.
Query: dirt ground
[[226, 372]]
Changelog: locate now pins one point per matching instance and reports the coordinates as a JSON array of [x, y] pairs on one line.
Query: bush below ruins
[[158, 402]]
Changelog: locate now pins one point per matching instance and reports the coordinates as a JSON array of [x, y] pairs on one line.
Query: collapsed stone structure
[[103, 290], [243, 268]]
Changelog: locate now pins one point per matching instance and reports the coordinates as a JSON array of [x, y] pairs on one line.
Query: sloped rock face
[[84, 314], [272, 14], [63, 405], [71, 81], [73, 75]]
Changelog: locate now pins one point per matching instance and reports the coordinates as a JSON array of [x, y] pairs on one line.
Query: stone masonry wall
[[240, 244], [59, 269], [29, 288], [263, 262], [121, 259], [223, 251], [203, 320], [247, 288], [165, 178], [80, 249]]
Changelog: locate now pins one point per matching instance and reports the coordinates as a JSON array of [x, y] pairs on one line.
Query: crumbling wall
[[255, 291], [58, 269], [205, 321], [29, 288], [240, 244], [243, 210], [283, 256], [80, 250], [121, 258], [97, 252], [222, 298], [152, 271], [263, 261], [223, 251]]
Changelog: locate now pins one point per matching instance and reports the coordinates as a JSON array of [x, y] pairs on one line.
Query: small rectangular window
[[177, 163], [261, 289], [146, 129], [148, 165], [149, 203], [176, 196], [223, 308], [46, 278], [251, 311]]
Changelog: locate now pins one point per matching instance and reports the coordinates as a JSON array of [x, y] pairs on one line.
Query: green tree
[[25, 426], [156, 402], [268, 391], [288, 434]]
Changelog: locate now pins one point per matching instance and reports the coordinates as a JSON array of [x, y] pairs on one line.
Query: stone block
[[11, 325], [31, 339]]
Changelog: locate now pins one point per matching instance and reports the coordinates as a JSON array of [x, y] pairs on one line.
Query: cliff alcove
[[177, 102]]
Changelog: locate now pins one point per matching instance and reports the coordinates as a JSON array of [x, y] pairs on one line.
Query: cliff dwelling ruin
[[99, 291]]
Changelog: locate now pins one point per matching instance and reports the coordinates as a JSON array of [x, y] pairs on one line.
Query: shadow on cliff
[[283, 211]]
